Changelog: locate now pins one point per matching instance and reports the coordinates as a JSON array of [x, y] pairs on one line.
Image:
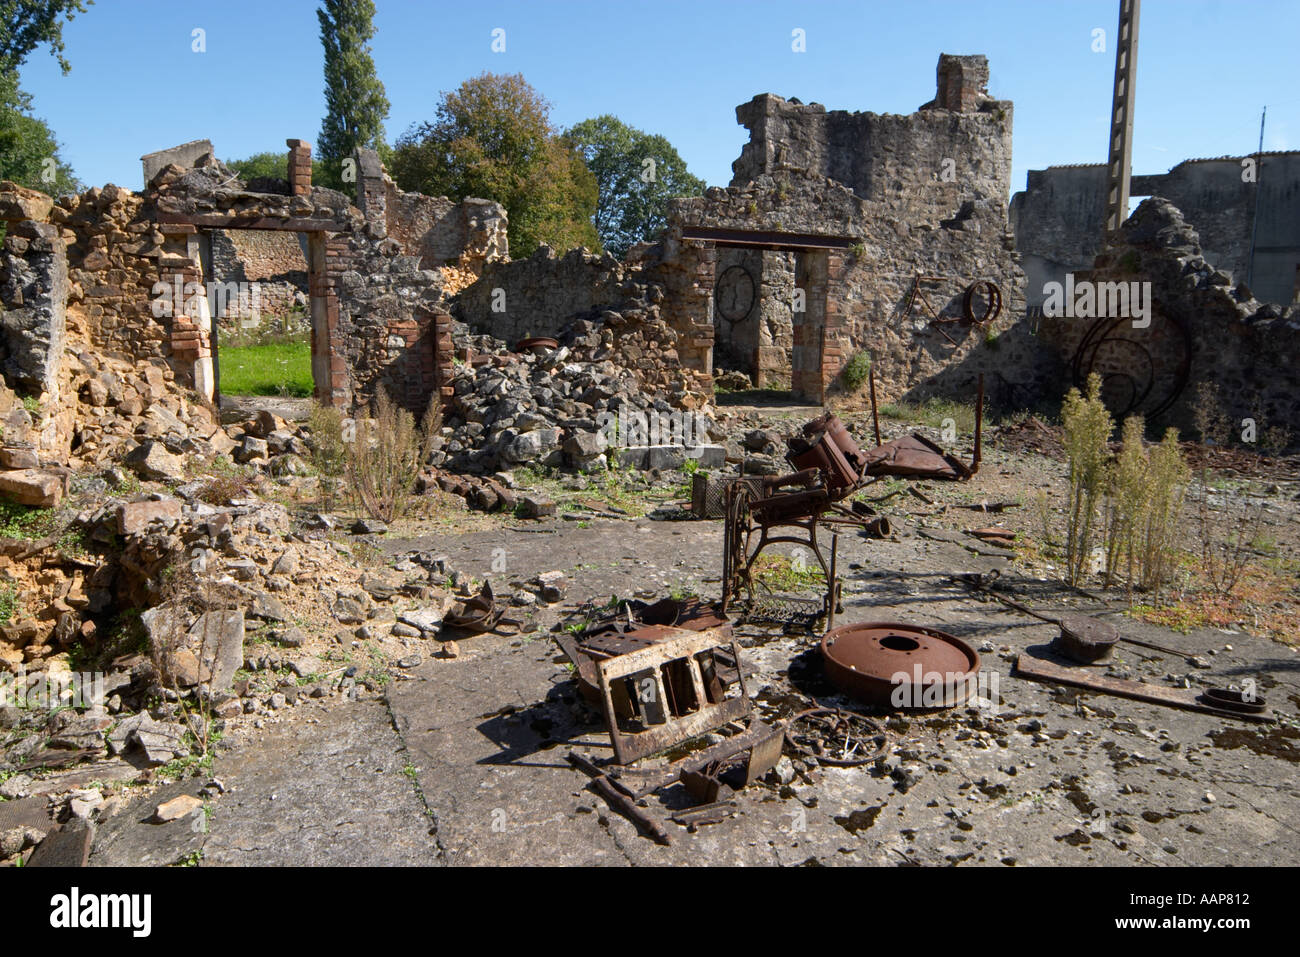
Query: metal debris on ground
[[915, 456], [1086, 639], [480, 613], [896, 666], [835, 737], [1039, 669], [830, 467]]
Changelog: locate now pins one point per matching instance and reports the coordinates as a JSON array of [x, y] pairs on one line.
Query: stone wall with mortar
[[1245, 352], [1058, 218]]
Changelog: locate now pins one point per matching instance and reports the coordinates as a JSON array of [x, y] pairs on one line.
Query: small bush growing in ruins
[[1208, 417], [1275, 439], [329, 453], [1144, 502], [1167, 480], [383, 460], [856, 370], [1226, 545], [8, 603], [430, 425], [185, 596], [1126, 503], [1087, 427]]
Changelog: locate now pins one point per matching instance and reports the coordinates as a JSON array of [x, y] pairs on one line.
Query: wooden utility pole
[[1120, 165]]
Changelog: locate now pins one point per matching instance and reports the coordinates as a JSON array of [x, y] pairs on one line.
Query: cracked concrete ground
[[462, 761]]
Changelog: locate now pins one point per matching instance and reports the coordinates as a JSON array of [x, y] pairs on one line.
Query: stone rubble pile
[[552, 409]]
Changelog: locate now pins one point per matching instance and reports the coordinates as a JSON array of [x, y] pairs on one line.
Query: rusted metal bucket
[[1086, 639]]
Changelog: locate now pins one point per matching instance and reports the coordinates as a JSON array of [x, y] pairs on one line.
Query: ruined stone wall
[[266, 255], [538, 295], [1246, 353], [919, 166], [435, 229], [867, 288], [1058, 218]]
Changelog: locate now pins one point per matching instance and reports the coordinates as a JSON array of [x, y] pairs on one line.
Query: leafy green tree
[[637, 173], [492, 138], [26, 24], [355, 103], [29, 154]]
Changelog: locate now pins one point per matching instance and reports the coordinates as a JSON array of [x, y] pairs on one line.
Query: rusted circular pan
[[892, 665], [536, 344], [1086, 639]]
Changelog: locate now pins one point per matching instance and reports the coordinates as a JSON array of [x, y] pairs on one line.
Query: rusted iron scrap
[[915, 456], [663, 674], [830, 467], [1040, 669]]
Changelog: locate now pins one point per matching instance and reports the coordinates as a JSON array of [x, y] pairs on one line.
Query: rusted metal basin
[[897, 666], [537, 344], [1086, 639]]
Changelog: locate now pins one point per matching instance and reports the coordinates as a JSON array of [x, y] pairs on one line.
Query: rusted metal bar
[[875, 418], [979, 424], [1038, 669], [655, 778], [620, 801]]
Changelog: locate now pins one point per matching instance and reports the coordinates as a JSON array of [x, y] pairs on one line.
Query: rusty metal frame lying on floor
[[666, 721]]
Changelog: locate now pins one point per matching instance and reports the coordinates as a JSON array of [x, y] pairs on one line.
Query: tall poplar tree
[[355, 103]]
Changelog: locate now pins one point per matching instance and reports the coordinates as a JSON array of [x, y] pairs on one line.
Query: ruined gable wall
[[1248, 352], [896, 163]]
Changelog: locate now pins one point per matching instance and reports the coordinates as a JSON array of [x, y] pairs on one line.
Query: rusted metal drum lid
[[863, 660]]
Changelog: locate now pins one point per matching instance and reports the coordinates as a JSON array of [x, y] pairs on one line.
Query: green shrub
[[1087, 429], [856, 370]]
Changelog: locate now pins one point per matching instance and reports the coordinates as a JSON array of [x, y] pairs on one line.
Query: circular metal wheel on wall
[[735, 293], [1143, 370], [982, 302]]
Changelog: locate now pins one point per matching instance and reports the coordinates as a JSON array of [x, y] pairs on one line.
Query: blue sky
[[1205, 69]]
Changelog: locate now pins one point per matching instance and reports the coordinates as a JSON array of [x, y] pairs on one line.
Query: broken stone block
[[35, 487], [160, 742], [426, 620], [221, 637], [178, 807], [17, 457], [152, 461], [251, 449], [18, 203], [242, 569], [536, 506], [134, 517]]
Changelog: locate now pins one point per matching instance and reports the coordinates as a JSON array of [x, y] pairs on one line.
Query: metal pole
[[875, 419]]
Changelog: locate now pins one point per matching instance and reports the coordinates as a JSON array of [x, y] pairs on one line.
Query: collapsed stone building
[[840, 233], [1219, 244], [1246, 209]]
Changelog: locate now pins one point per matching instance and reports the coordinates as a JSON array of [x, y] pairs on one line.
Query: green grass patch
[[931, 413], [26, 522], [278, 368]]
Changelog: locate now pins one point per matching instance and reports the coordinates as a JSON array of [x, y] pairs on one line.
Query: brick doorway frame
[[817, 356]]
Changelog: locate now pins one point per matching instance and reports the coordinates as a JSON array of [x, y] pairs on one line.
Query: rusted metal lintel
[[275, 223], [1039, 669], [767, 239]]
